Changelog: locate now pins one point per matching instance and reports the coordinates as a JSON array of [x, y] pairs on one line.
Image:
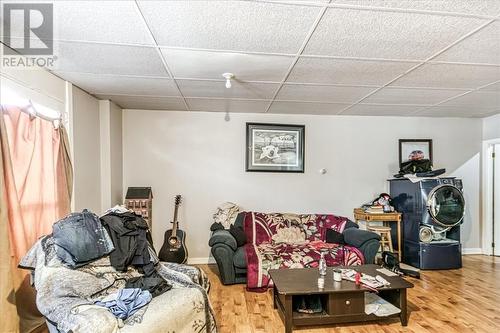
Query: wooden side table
[[361, 215]]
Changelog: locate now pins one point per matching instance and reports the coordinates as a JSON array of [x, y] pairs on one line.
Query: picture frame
[[275, 147], [414, 149]]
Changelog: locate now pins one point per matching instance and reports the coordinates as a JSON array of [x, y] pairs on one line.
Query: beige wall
[[116, 154], [86, 151], [202, 157], [110, 116]]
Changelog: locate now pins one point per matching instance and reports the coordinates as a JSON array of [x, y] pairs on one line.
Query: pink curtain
[[36, 190]]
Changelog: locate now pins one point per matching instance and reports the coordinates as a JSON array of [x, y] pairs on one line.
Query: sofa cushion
[[260, 227], [291, 235], [240, 259]]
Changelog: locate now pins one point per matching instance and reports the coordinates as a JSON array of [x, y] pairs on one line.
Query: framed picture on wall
[[275, 147], [414, 149]]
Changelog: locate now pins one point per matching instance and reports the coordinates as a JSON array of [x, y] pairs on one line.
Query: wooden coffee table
[[342, 302]]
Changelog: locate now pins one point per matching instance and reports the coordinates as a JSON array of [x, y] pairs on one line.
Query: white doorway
[[495, 198], [491, 197]]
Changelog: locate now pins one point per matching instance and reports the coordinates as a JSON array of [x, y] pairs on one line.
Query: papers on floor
[[379, 306]]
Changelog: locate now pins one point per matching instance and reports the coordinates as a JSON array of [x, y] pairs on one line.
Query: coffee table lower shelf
[[340, 308]]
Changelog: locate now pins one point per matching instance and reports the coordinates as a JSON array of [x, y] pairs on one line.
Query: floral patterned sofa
[[276, 241]]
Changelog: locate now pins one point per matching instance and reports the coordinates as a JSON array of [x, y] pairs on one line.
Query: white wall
[[86, 146], [202, 157], [116, 154], [491, 127], [111, 154]]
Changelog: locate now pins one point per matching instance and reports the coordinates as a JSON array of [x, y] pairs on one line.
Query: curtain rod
[[33, 113]]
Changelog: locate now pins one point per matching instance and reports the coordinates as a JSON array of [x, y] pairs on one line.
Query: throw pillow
[[335, 237], [291, 235], [239, 235]]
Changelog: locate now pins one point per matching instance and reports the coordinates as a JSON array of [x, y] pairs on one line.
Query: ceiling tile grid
[[197, 88], [229, 25], [227, 105], [122, 85], [386, 35], [477, 7], [146, 102], [338, 94], [361, 57], [314, 108], [211, 65]]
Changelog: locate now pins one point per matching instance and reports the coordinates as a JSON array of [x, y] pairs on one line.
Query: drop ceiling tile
[[108, 59], [454, 111], [121, 85], [211, 65], [194, 88], [307, 108], [382, 110], [229, 25], [346, 71], [101, 21], [388, 35], [390, 95], [320, 93], [449, 76], [476, 99], [146, 103], [480, 7], [227, 105], [481, 47]]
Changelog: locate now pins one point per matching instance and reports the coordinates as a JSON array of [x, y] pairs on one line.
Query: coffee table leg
[[288, 313], [403, 316]]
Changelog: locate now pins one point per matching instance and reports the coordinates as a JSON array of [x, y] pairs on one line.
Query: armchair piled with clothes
[[102, 275]]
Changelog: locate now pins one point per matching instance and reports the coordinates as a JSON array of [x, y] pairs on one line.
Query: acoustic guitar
[[174, 247]]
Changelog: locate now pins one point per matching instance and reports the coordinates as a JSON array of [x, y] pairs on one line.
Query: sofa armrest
[[223, 237], [366, 241], [357, 237]]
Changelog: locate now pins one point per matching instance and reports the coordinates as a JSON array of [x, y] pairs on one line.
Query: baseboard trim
[[201, 261], [472, 250]]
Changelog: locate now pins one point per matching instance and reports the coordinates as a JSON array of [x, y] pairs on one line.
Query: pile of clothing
[[90, 264]]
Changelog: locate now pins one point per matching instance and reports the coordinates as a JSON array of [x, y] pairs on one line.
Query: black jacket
[[130, 235]]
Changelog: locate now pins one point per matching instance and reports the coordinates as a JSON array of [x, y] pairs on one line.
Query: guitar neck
[[175, 222]]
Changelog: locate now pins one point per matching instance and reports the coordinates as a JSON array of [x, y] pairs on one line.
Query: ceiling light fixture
[[228, 77]]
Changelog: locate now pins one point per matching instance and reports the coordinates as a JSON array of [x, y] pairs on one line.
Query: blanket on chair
[[292, 241], [66, 296]]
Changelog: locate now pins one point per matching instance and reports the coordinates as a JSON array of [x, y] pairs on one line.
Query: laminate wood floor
[[463, 300]]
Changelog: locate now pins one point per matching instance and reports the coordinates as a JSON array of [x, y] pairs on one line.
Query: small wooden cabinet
[[140, 200]]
